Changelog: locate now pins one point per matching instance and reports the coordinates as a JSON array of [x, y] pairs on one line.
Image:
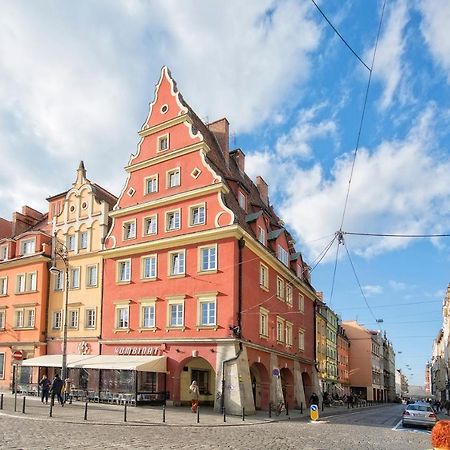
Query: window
[[20, 283], [58, 279], [29, 318], [173, 178], [3, 286], [90, 318], [207, 312], [122, 317], [73, 318], [280, 329], [242, 201], [176, 263], [176, 314], [150, 225], [75, 278], [300, 272], [151, 184], [263, 322], [2, 365], [264, 276], [262, 235], [280, 288], [149, 267], [301, 303], [202, 379], [70, 242], [208, 258], [173, 220], [283, 255], [18, 323], [288, 294], [3, 254], [57, 320], [288, 333], [301, 340], [27, 246], [129, 230], [84, 240], [2, 319], [32, 281], [163, 142], [197, 215], [91, 276], [24, 318], [148, 315], [124, 270]]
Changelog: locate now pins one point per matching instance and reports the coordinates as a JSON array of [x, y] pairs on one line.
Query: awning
[[105, 362]]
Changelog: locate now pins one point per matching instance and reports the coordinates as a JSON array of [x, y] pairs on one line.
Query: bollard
[[243, 414], [1, 401], [125, 412], [270, 409], [51, 409], [85, 410], [164, 413], [23, 405], [287, 408], [301, 407], [198, 414], [323, 406], [348, 405], [224, 415]]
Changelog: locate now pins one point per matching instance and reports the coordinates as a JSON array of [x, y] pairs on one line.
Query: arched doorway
[[260, 385], [200, 370], [287, 385], [307, 386]]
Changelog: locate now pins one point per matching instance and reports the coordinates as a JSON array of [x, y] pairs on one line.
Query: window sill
[[264, 288], [142, 330], [280, 298], [181, 275], [206, 272], [181, 328], [263, 336], [91, 287], [123, 282], [145, 280], [121, 330], [3, 295], [173, 229], [23, 328], [207, 327]]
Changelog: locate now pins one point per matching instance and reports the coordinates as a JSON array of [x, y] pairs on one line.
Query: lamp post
[[61, 251]]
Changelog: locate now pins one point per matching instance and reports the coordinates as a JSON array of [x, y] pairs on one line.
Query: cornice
[[24, 260], [163, 126]]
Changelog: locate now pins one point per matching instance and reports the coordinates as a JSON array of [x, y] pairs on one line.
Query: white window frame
[[4, 252], [176, 180], [75, 281], [31, 285], [207, 300], [170, 257], [3, 286], [263, 277], [211, 263], [153, 182], [301, 339], [125, 263], [30, 317], [24, 243], [154, 221], [84, 240], [119, 308], [70, 242], [192, 215], [178, 303], [21, 283], [263, 322], [129, 230], [2, 319], [151, 276], [90, 283], [281, 324], [280, 288], [242, 199], [288, 333], [151, 304], [283, 255], [90, 318], [262, 235], [74, 313], [25, 317], [289, 292], [301, 303], [160, 140], [175, 213], [57, 320], [58, 281]]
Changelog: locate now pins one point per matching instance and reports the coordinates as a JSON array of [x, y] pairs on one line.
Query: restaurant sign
[[141, 351]]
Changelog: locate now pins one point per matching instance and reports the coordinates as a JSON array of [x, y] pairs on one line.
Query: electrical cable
[[396, 235], [335, 268]]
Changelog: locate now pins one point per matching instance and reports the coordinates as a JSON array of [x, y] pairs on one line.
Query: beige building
[[79, 219]]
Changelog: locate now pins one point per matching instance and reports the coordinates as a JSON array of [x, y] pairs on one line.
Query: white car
[[419, 413]]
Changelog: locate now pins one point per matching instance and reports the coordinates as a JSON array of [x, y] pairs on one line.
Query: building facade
[[343, 353]]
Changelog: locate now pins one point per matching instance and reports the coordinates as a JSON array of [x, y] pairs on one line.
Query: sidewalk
[[107, 414]]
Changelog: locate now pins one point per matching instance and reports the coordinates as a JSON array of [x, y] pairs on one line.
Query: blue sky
[[76, 79]]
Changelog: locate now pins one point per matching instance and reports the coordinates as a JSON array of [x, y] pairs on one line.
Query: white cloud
[[388, 67], [398, 285], [391, 192], [372, 290], [434, 27]]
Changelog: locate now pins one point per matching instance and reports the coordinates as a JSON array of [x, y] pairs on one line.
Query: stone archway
[[307, 386], [260, 385], [287, 385]]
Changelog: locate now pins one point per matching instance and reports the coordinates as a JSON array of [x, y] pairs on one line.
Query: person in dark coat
[[44, 384], [314, 400], [56, 388]]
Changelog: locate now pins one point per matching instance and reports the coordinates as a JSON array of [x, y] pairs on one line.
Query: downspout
[[226, 361]]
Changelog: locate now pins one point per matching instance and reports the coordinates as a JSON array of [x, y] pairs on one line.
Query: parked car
[[419, 413]]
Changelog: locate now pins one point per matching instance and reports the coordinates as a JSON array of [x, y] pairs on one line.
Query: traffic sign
[[276, 372], [314, 412], [17, 355]]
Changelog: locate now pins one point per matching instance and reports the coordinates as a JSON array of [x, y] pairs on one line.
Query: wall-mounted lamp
[[212, 350], [178, 350]]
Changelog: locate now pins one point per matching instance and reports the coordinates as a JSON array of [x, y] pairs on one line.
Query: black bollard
[[51, 409], [287, 409], [85, 410], [198, 414], [270, 409], [243, 414], [164, 413], [323, 406], [224, 415], [301, 407], [348, 405], [23, 405], [1, 401], [125, 412]]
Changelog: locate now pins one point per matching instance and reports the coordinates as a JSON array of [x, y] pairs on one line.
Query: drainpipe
[[222, 400]]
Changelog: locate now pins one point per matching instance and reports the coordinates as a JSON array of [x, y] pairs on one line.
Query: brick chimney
[[221, 130], [239, 156], [263, 189]]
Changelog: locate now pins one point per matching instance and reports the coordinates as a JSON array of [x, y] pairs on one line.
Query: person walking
[[56, 388], [67, 390], [44, 384], [314, 399], [195, 395]]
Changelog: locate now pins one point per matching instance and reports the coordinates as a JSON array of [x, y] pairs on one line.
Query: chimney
[[220, 129], [263, 189], [320, 296], [239, 156]]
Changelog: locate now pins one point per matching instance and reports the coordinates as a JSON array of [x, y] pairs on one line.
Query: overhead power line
[[397, 235], [341, 37]]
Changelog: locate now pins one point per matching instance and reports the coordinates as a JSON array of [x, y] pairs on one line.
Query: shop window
[[202, 378], [147, 382]]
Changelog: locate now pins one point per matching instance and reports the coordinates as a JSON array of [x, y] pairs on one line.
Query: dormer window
[[163, 142], [283, 255], [4, 252], [242, 200], [262, 235], [27, 246]]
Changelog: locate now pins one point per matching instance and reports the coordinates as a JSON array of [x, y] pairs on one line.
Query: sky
[[76, 80]]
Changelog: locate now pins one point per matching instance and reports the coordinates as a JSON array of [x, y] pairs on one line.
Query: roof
[[254, 216], [274, 234]]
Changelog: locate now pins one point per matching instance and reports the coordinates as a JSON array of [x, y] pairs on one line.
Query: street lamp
[[60, 250]]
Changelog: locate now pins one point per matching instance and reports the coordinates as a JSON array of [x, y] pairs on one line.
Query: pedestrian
[[447, 407], [195, 394], [67, 389], [44, 384], [314, 399], [440, 436], [56, 388]]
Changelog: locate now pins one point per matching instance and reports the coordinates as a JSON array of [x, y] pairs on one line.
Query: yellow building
[[321, 345], [79, 219]]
